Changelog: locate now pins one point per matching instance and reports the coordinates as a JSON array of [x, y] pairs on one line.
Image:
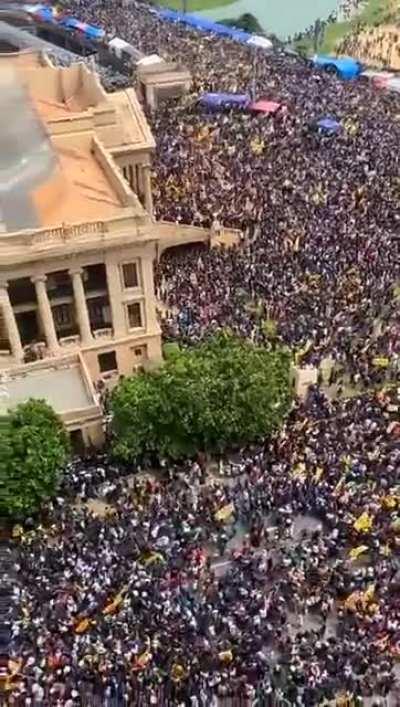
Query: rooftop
[[78, 190], [63, 387], [54, 157]]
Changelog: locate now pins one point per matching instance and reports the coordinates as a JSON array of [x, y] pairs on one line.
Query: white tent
[[258, 41]]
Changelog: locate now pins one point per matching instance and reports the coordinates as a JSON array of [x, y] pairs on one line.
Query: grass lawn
[[375, 12], [333, 34], [194, 5]]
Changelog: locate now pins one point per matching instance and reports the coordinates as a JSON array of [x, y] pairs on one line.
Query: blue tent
[[224, 100], [44, 14], [328, 126], [346, 67], [90, 31], [205, 25]]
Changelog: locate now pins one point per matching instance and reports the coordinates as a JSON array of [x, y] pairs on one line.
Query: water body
[[281, 17]]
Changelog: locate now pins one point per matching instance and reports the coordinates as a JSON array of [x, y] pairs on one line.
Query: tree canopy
[[223, 393], [246, 21], [34, 446]]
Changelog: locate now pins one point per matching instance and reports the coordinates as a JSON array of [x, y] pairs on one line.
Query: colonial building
[[77, 239]]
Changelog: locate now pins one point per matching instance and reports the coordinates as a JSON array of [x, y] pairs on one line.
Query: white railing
[[73, 340], [103, 333]]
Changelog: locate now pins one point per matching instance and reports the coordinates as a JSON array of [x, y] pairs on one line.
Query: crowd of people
[[147, 602], [136, 606]]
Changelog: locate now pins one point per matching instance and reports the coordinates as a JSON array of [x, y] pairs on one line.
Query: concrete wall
[[124, 351], [70, 81], [45, 84], [118, 183], [91, 87]]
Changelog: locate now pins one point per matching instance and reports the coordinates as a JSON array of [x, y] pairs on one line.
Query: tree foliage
[[246, 21], [34, 446], [221, 394]]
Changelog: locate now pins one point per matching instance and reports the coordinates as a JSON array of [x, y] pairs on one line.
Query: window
[[140, 352], [62, 315], [107, 361], [130, 275], [134, 315]]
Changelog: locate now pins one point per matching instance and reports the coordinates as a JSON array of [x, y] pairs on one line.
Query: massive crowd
[[137, 608], [145, 604]]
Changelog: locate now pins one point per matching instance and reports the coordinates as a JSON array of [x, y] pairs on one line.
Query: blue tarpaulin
[[345, 67], [329, 126], [202, 23], [44, 14], [224, 100], [90, 31]]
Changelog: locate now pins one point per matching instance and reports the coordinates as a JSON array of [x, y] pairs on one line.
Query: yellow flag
[[116, 602], [225, 512], [369, 593], [389, 502], [386, 551], [299, 471], [357, 551], [142, 660], [152, 558], [112, 607], [351, 601], [364, 523], [177, 672], [318, 474], [225, 656], [203, 133], [83, 626], [17, 531], [380, 362], [257, 146]]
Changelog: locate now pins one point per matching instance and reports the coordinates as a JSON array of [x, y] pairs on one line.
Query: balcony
[[70, 341], [104, 333]]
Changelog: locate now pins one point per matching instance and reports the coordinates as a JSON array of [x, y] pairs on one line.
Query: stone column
[[148, 196], [115, 300], [81, 306], [152, 325], [11, 324], [45, 312]]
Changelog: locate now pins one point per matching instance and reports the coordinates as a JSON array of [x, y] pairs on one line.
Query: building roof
[[79, 189], [56, 128]]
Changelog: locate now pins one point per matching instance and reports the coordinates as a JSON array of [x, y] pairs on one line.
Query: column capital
[[3, 285], [77, 270], [38, 278]]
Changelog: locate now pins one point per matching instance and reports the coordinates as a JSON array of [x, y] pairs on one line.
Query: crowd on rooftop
[[147, 604]]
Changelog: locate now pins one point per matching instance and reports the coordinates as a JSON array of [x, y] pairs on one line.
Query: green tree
[[221, 394], [247, 22], [34, 446]]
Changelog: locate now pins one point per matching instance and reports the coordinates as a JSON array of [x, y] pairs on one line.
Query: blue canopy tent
[[216, 101], [205, 25], [90, 31], [44, 14], [345, 67], [328, 126]]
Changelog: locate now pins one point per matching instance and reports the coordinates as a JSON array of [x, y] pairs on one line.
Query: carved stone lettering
[[67, 232]]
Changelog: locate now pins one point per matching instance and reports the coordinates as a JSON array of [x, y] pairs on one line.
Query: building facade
[[77, 240]]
